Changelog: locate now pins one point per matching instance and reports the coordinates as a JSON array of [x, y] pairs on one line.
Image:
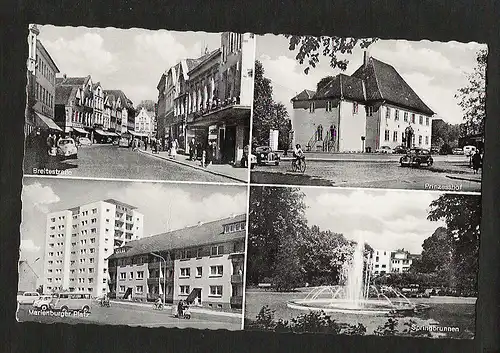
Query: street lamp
[[164, 276]]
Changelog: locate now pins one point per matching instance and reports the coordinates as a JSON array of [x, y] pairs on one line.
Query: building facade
[[373, 107], [203, 264], [41, 75], [144, 122], [79, 241], [386, 261]]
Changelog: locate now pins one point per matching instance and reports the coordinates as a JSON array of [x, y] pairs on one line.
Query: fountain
[[358, 296]]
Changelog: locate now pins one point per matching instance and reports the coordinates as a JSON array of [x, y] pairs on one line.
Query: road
[[135, 315], [107, 161], [377, 171]]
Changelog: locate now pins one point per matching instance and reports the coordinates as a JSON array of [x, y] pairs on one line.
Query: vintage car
[[244, 159], [266, 156], [470, 150], [416, 156], [384, 149], [458, 151], [43, 302], [84, 141], [399, 150], [27, 297], [123, 142], [66, 148]]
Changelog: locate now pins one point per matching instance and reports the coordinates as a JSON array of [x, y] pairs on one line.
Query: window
[[396, 114], [52, 219], [199, 271], [426, 140], [92, 250], [91, 280], [93, 220], [199, 252], [427, 121], [140, 274], [91, 260], [355, 108], [311, 107], [419, 139], [123, 275], [369, 111], [405, 119], [395, 136], [387, 135], [216, 271], [217, 250], [421, 120], [388, 113], [92, 241], [216, 291], [94, 210], [104, 280], [183, 290], [122, 289], [413, 118], [139, 289], [185, 272], [94, 230], [91, 270], [329, 106]]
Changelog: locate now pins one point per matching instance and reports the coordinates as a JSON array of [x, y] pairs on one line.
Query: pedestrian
[[146, 144], [476, 161], [173, 148], [192, 150], [40, 149], [208, 155]]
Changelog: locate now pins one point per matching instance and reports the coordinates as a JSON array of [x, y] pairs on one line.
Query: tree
[[310, 48], [323, 82], [437, 254], [444, 133], [276, 220], [268, 114], [462, 214], [472, 98], [148, 104]]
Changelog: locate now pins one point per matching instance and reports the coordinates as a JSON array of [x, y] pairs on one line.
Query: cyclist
[[298, 154]]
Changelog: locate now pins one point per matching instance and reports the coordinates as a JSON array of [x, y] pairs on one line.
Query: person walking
[[477, 161], [146, 144], [192, 150], [173, 148]]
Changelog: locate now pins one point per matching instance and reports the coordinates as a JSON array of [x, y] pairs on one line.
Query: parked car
[[434, 150], [416, 156], [399, 150], [66, 148], [266, 156], [457, 151], [469, 150], [72, 301], [27, 297], [123, 142], [84, 141], [44, 302], [384, 149], [244, 159]]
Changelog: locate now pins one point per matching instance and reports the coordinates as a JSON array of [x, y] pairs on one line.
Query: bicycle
[[301, 168]]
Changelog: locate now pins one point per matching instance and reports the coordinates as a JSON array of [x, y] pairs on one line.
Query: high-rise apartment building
[[80, 240]]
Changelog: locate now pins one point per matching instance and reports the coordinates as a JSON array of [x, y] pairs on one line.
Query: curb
[[193, 166], [288, 159], [465, 179]]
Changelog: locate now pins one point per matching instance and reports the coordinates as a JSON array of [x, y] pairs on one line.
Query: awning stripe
[[48, 121], [82, 131]]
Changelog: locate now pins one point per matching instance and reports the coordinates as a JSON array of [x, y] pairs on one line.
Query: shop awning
[[100, 132], [80, 130], [138, 134], [111, 133], [48, 121], [229, 114]]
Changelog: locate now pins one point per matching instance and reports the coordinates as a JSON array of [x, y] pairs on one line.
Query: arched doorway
[[409, 137]]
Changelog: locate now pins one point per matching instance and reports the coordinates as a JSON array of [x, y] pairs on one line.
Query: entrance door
[[229, 144], [198, 297], [220, 147]]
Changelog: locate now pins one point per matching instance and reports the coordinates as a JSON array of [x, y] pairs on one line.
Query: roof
[[203, 59], [205, 233], [116, 93], [343, 86], [383, 82], [72, 81], [42, 48], [116, 202], [63, 94], [304, 95]]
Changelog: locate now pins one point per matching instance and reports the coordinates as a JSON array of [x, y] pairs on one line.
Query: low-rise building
[[371, 108], [203, 264], [386, 261]]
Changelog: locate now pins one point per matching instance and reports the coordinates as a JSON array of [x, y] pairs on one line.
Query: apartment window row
[[215, 271], [45, 70], [44, 95], [235, 227], [395, 137], [60, 218], [215, 291]]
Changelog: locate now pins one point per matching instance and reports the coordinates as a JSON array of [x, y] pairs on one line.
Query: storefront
[[46, 123], [102, 136], [227, 128], [79, 132]]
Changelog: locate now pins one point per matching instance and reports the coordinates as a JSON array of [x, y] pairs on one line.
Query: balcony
[[236, 301], [236, 278]]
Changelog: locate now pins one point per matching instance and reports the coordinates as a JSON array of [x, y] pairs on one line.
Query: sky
[[434, 70], [166, 206], [385, 219], [132, 60]]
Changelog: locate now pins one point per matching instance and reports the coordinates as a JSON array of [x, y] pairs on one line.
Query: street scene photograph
[[132, 253], [138, 104], [368, 112], [362, 262]]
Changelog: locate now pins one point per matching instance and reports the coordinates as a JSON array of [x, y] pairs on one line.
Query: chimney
[[366, 56]]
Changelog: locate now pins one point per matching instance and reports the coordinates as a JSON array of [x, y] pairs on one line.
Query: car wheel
[[86, 309], [64, 309], [44, 307]]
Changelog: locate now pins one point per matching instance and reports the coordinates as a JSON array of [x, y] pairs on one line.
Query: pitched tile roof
[[343, 86], [304, 95], [383, 82], [116, 93], [72, 81], [206, 233], [63, 94]]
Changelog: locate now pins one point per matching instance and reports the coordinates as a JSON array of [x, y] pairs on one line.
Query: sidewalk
[[192, 309], [224, 170]]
